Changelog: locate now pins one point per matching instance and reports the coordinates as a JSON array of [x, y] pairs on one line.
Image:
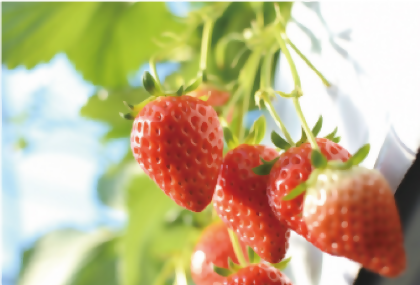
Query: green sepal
[[222, 271], [253, 257], [282, 264], [359, 156], [128, 105], [233, 266], [279, 142], [128, 116], [231, 140], [318, 160], [265, 168], [257, 131], [303, 138], [149, 83], [317, 128], [336, 139], [295, 192], [331, 135], [180, 91], [194, 85]]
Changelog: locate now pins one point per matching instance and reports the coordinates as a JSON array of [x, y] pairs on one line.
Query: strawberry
[[293, 167], [352, 213], [178, 142], [258, 274], [213, 247], [241, 201], [216, 97]]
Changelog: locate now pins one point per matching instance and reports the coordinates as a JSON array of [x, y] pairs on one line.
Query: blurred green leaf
[[65, 250], [105, 41], [148, 241], [100, 266], [106, 105]]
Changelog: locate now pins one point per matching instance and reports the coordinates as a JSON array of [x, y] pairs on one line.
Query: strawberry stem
[[246, 78], [153, 71], [167, 270], [297, 91], [305, 59], [265, 84], [237, 247], [205, 43], [180, 276]]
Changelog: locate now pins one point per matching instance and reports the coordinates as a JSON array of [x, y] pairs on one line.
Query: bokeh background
[[76, 209]]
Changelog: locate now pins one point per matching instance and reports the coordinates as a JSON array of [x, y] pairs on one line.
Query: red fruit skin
[[258, 274], [178, 142], [213, 247], [352, 213], [216, 97], [293, 167], [241, 202]]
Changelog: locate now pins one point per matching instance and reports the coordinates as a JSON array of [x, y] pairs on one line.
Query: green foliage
[[71, 251], [105, 41], [148, 242], [105, 106]]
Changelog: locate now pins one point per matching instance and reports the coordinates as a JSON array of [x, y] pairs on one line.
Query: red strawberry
[[178, 142], [352, 213], [216, 97], [261, 274], [241, 201], [213, 247], [293, 167]]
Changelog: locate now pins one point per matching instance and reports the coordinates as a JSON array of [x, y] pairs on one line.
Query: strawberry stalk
[[237, 248], [166, 271], [306, 60], [180, 276], [153, 71], [246, 79], [297, 91], [266, 84], [205, 43]]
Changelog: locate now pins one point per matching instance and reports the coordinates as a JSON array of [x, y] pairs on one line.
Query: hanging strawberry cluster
[[313, 186]]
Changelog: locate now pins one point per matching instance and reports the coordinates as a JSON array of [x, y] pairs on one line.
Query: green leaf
[[317, 127], [232, 265], [265, 168], [279, 142], [295, 192], [149, 83], [105, 41], [230, 138], [282, 264], [194, 85], [331, 135], [70, 250], [303, 138], [147, 206], [222, 271], [99, 267], [257, 131], [253, 257], [180, 91], [106, 105], [336, 139], [360, 155], [318, 160]]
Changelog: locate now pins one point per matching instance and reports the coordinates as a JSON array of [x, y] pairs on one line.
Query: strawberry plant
[[210, 202], [312, 186]]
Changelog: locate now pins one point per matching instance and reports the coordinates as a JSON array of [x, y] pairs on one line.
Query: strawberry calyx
[[253, 259], [320, 162], [265, 167]]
